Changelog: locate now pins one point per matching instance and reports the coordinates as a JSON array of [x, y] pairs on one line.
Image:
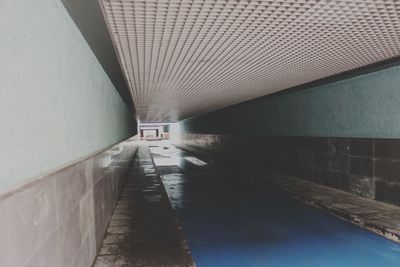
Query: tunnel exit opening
[[158, 131]]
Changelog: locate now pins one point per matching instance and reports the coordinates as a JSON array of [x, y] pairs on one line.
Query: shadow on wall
[[366, 167]]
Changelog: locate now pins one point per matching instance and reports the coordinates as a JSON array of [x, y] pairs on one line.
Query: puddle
[[195, 161]]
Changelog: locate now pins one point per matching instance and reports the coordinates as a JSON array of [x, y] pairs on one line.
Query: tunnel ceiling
[[183, 58]]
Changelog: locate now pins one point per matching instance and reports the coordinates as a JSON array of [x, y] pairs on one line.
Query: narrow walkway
[[231, 219], [379, 217], [143, 230], [375, 216]]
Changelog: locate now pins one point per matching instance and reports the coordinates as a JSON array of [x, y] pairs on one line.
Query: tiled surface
[[381, 218], [214, 53], [51, 221], [365, 167], [143, 230], [238, 218], [33, 221], [5, 249], [376, 216]]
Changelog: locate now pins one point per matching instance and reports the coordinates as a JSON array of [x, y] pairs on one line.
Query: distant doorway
[[150, 134]]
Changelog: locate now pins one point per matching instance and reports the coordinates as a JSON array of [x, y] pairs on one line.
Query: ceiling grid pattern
[[186, 57]]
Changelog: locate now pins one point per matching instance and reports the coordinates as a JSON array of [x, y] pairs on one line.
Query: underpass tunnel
[[200, 133]]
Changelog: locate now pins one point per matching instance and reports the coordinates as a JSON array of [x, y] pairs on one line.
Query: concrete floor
[[143, 230], [228, 219]]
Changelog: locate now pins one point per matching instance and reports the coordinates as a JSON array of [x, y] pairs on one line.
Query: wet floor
[[229, 221], [143, 230]]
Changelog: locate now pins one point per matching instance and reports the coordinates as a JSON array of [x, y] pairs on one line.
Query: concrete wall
[[365, 106], [60, 219], [57, 105]]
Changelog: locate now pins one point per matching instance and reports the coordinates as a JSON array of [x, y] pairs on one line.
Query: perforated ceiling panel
[[183, 58]]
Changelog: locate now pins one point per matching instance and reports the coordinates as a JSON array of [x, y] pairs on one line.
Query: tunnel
[[208, 133]]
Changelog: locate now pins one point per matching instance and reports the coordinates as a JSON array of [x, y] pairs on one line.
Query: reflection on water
[[229, 221], [195, 161]]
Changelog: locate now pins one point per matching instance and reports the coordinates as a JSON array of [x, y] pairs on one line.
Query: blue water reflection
[[229, 222]]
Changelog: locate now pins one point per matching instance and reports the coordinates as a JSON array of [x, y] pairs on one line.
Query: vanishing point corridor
[[226, 220], [208, 133]]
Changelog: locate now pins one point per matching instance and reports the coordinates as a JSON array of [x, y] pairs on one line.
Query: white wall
[[56, 103]]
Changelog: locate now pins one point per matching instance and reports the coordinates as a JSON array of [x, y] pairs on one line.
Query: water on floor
[[228, 221]]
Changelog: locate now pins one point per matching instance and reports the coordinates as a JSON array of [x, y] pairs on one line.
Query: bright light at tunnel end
[[160, 131]]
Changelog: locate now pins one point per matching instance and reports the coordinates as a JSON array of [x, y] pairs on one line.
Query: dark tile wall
[[366, 167], [387, 170]]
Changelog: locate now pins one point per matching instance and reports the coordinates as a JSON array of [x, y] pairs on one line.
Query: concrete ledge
[[378, 217], [60, 219]]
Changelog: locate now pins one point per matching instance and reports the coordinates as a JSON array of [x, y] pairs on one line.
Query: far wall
[[334, 134], [366, 106]]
